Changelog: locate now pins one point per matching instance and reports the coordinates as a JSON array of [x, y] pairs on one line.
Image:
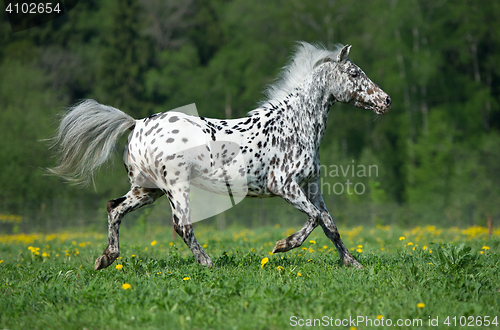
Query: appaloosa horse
[[277, 142]]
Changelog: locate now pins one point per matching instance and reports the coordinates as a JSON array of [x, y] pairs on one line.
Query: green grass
[[60, 289]]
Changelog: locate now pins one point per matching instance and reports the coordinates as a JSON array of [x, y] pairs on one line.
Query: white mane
[[301, 63]]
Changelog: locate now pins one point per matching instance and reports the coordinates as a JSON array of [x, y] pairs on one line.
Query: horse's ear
[[342, 56]]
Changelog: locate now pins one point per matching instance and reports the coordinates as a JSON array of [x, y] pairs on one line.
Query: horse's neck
[[308, 109]]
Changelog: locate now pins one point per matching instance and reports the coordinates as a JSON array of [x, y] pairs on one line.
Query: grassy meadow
[[449, 276]]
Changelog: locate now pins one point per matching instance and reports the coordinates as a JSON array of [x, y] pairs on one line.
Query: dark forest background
[[437, 150]]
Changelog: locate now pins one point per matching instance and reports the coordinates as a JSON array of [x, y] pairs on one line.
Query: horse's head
[[353, 86]]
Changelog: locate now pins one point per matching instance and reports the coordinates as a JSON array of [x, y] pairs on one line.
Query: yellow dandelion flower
[[485, 247], [402, 238], [359, 250], [204, 246], [360, 246], [119, 266], [425, 247], [280, 268], [420, 305], [380, 317], [304, 248], [1, 261], [153, 243], [45, 254], [270, 253], [325, 247], [413, 248], [309, 260], [312, 241], [171, 243], [263, 262], [430, 251], [430, 263], [82, 244], [252, 250], [132, 256], [482, 252], [299, 274], [186, 278], [352, 328], [126, 286], [410, 243]]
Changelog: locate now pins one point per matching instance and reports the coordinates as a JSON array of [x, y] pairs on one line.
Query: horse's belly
[[220, 180]]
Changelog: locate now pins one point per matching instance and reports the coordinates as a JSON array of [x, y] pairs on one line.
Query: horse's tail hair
[[86, 138]]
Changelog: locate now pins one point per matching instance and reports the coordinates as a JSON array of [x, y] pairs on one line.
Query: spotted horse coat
[[278, 142]]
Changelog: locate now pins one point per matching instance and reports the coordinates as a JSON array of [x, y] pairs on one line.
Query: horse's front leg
[[329, 228], [117, 208], [293, 194]]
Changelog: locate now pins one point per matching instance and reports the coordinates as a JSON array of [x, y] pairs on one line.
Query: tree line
[[436, 151]]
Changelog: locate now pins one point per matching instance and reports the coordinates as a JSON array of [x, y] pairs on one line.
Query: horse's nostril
[[388, 100]]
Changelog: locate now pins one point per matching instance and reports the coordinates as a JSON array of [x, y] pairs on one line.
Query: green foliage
[[124, 56], [451, 258], [24, 121], [436, 150], [169, 290]]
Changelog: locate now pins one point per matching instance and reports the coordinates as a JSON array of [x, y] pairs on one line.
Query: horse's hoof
[[357, 265], [354, 263], [281, 246], [103, 262], [205, 261]]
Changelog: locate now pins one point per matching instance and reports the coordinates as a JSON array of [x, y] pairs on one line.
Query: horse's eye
[[353, 73]]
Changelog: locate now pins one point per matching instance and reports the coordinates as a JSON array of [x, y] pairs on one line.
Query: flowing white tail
[[85, 139]]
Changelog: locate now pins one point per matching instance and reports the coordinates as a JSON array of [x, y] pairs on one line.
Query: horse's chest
[[296, 164]]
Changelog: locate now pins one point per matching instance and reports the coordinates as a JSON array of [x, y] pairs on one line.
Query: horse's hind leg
[[186, 232], [178, 196], [117, 208]]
